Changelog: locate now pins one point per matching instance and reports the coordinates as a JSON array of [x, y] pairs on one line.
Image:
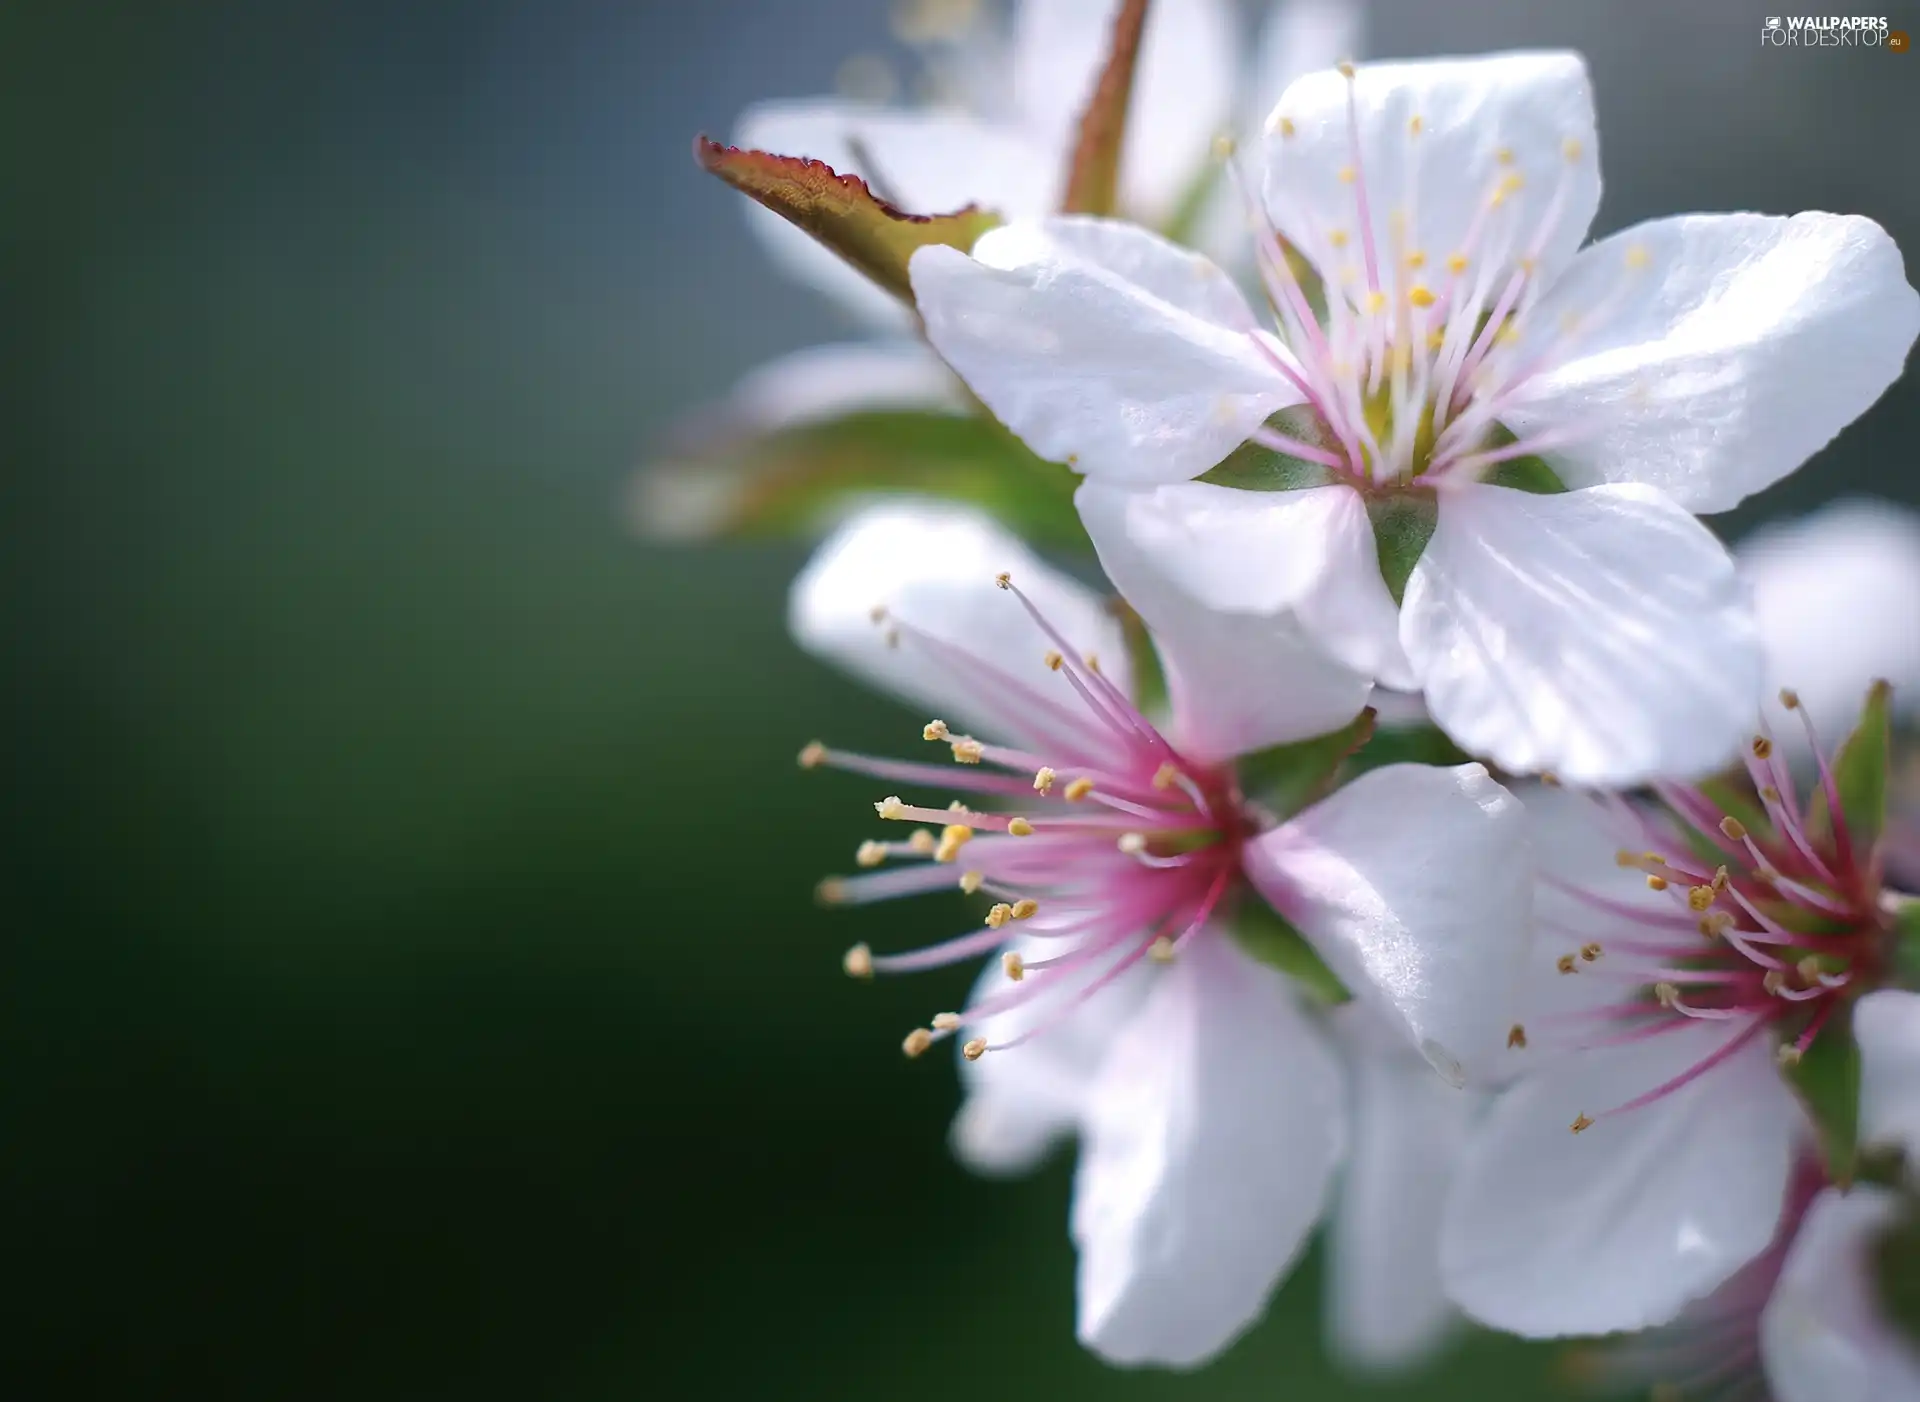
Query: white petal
[[1481, 122], [1182, 94], [1102, 345], [1022, 1101], [1239, 680], [1299, 37], [1415, 885], [1823, 1337], [926, 162], [1386, 1308], [1886, 1025], [1744, 345], [1211, 1140], [932, 566], [825, 382], [1833, 591], [1550, 1233], [1601, 634]]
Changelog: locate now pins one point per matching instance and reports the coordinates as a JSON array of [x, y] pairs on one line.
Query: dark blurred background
[[410, 983]]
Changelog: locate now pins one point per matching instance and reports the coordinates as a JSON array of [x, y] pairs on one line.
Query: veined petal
[[1182, 96], [1823, 1336], [1241, 679], [931, 567], [1211, 1140], [1386, 1309], [1833, 592], [1021, 1102], [1415, 884], [1102, 345], [1886, 1024], [1739, 347], [924, 162], [1494, 159], [1551, 1233], [1600, 634]]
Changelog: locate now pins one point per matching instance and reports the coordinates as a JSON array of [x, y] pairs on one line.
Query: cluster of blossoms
[[1596, 1025]]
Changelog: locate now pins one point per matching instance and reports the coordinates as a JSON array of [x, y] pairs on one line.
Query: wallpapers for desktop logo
[[1832, 32]]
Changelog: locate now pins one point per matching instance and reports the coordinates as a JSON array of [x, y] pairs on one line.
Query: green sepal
[[1284, 779], [1528, 474], [842, 212], [1267, 935], [1896, 1268], [796, 480], [1252, 468], [1407, 744], [1860, 770], [1403, 523], [1149, 675], [1828, 1079], [1904, 910]]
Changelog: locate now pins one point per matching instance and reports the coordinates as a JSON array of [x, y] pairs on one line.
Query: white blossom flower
[[1675, 368], [1668, 984], [1208, 1100]]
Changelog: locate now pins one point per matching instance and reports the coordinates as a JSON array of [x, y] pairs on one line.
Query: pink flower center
[[1776, 916], [1102, 841]]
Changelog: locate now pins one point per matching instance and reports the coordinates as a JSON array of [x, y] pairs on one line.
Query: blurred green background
[[411, 986]]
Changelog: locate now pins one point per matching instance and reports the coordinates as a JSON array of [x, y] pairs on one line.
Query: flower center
[[1775, 922], [1104, 844]]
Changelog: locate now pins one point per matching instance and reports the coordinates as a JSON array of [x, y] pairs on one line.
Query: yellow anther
[[858, 962], [1504, 155], [999, 915], [1043, 778], [1549, 779], [1013, 966], [1624, 858], [1511, 185], [1436, 338], [1348, 175], [831, 891], [1581, 1122], [1517, 1036], [1078, 789], [1337, 237], [1093, 663], [1668, 994], [1004, 580], [1054, 661], [1416, 259], [922, 843], [1774, 981], [975, 1049], [1656, 883], [1284, 126], [1376, 303], [1414, 124], [1720, 879], [956, 807], [1020, 827], [1224, 147], [1073, 460], [1787, 1055], [1132, 843], [1762, 747], [1715, 923], [1025, 908], [1571, 149], [1808, 969], [1421, 295], [1456, 263], [813, 756], [1638, 257], [1700, 897], [1591, 951], [891, 807], [934, 730], [945, 1022], [1789, 698], [1769, 793], [1166, 776], [1565, 964], [952, 838], [1161, 950], [917, 1041], [970, 881], [967, 750], [1733, 828], [871, 854]]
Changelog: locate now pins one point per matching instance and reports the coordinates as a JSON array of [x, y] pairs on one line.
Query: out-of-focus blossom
[[1470, 348], [1208, 1099]]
